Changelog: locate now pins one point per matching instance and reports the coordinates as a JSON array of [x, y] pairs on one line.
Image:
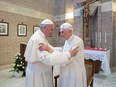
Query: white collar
[[70, 39], [41, 34]]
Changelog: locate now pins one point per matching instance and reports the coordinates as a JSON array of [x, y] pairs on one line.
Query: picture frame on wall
[[22, 30], [4, 28], [35, 28]]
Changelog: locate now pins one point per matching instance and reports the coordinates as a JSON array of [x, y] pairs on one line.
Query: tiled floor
[[8, 80], [101, 80]]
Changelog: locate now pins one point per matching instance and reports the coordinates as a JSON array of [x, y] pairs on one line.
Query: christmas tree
[[19, 65]]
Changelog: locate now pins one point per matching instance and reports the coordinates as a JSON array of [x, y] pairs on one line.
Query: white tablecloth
[[102, 55]]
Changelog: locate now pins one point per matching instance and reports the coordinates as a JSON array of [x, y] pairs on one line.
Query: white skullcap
[[47, 21], [66, 26]]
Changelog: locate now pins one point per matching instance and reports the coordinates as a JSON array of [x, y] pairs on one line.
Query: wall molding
[[107, 6], [23, 11]]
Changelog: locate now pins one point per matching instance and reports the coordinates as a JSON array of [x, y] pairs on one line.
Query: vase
[[18, 74]]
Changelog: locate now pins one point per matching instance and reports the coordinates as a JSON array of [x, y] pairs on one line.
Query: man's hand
[[73, 52], [44, 47]]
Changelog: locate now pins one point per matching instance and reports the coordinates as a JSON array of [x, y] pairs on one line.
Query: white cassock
[[72, 72], [39, 72]]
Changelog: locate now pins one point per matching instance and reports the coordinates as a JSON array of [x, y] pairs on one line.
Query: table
[[102, 55]]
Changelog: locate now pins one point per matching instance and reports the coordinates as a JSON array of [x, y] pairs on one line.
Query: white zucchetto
[[47, 21], [66, 26]]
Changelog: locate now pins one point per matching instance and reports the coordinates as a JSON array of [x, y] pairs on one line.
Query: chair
[[89, 66], [22, 51]]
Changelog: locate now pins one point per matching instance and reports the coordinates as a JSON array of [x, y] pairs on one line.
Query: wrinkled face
[[48, 29], [65, 33]]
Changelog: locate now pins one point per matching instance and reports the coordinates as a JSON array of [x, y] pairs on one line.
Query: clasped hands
[[44, 47]]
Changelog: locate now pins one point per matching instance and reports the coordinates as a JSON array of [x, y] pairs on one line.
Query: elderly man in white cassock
[[39, 72], [72, 72]]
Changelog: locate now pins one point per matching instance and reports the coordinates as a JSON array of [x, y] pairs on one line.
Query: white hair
[[65, 26]]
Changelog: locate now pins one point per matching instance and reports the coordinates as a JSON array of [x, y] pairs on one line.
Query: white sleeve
[[54, 58], [58, 48]]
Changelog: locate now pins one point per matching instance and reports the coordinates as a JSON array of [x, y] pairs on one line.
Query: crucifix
[[86, 31]]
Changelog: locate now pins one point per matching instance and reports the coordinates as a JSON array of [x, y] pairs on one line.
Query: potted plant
[[18, 67]]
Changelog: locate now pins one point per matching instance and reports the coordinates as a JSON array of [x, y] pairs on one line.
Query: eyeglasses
[[61, 31]]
